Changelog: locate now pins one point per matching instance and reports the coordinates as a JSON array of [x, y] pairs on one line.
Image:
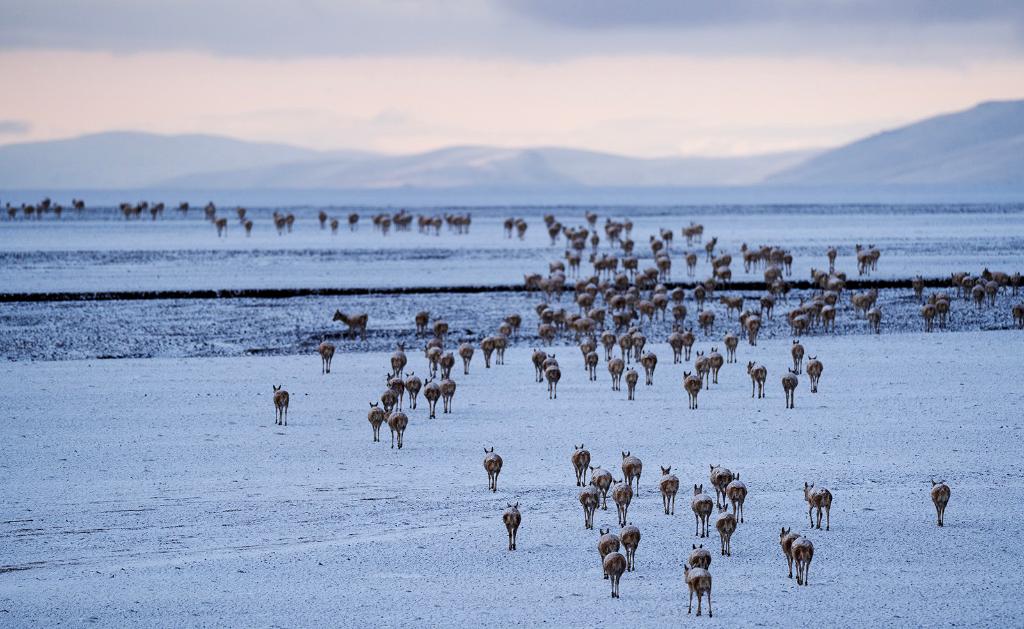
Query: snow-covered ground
[[159, 491], [98, 251]]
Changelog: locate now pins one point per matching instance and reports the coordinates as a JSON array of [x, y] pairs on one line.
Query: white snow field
[[160, 492]]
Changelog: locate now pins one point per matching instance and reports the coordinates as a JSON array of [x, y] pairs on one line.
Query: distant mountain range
[[983, 145]]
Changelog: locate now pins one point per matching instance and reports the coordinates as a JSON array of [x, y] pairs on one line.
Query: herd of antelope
[[633, 297]]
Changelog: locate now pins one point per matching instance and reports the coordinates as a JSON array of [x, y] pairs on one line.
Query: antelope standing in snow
[[803, 551], [797, 352], [553, 374], [703, 368], [649, 361], [446, 362], [736, 491], [702, 506], [700, 557], [447, 387], [512, 519], [356, 323], [632, 467], [675, 341], [726, 525], [591, 360], [492, 465], [538, 358], [590, 498], [814, 368], [630, 536], [398, 360], [602, 479], [615, 368], [693, 385], [466, 353], [622, 494], [580, 462], [669, 485], [614, 565], [397, 422], [874, 317], [789, 382], [280, 405], [607, 543], [632, 377], [731, 342], [720, 478], [376, 418], [940, 496], [326, 351], [715, 362], [432, 392], [821, 499], [758, 375], [698, 580], [413, 384]]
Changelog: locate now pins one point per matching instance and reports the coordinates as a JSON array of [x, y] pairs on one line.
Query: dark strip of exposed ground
[[284, 293]]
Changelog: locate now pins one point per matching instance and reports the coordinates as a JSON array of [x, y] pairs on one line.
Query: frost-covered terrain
[[99, 251], [159, 491]]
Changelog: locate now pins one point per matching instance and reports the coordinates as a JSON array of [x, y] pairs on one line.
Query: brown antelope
[[632, 377], [874, 316], [591, 360], [580, 462], [715, 362], [376, 418], [649, 361], [447, 387], [814, 368], [432, 393], [693, 385], [492, 465], [602, 479], [731, 342], [248, 227], [614, 565], [397, 385], [413, 384], [789, 383], [608, 342], [698, 580], [590, 497], [615, 368], [622, 495], [356, 323], [466, 353], [630, 536], [1018, 315], [389, 399], [421, 319], [720, 478], [821, 499], [446, 362], [626, 345], [675, 341], [706, 319], [736, 492], [669, 485], [798, 356], [607, 543], [753, 327], [222, 227], [702, 505], [928, 314], [786, 539], [632, 467], [553, 374], [397, 422], [940, 496], [700, 557], [758, 376], [538, 358], [512, 518], [726, 525], [326, 351], [487, 347], [688, 340], [280, 405], [803, 551], [398, 360], [702, 366]]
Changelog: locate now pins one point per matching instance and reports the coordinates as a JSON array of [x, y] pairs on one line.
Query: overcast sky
[[659, 77]]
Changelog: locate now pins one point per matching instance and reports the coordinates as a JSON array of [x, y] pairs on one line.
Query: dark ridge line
[[285, 293]]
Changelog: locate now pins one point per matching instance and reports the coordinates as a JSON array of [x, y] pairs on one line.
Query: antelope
[[675, 341], [698, 580], [280, 405], [758, 375], [466, 352], [376, 417], [818, 498], [608, 342], [874, 317], [591, 361], [512, 519], [631, 379], [632, 467], [626, 345], [487, 347], [752, 326], [447, 361], [326, 351], [421, 319], [398, 360], [731, 342], [615, 368], [702, 505], [538, 358], [397, 422], [397, 385], [447, 391], [720, 478], [700, 557], [389, 399], [693, 385], [492, 465], [786, 539], [622, 494], [688, 341], [580, 462], [649, 361], [432, 392], [669, 485], [590, 497], [222, 227], [798, 356], [356, 323], [789, 382], [553, 374], [614, 565], [940, 496], [607, 543], [726, 525], [602, 479], [1018, 315], [803, 551], [706, 319], [630, 536], [413, 384], [736, 491], [715, 362], [702, 367], [440, 328], [814, 368]]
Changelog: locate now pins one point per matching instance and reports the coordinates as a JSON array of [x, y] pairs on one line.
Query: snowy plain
[[160, 492]]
